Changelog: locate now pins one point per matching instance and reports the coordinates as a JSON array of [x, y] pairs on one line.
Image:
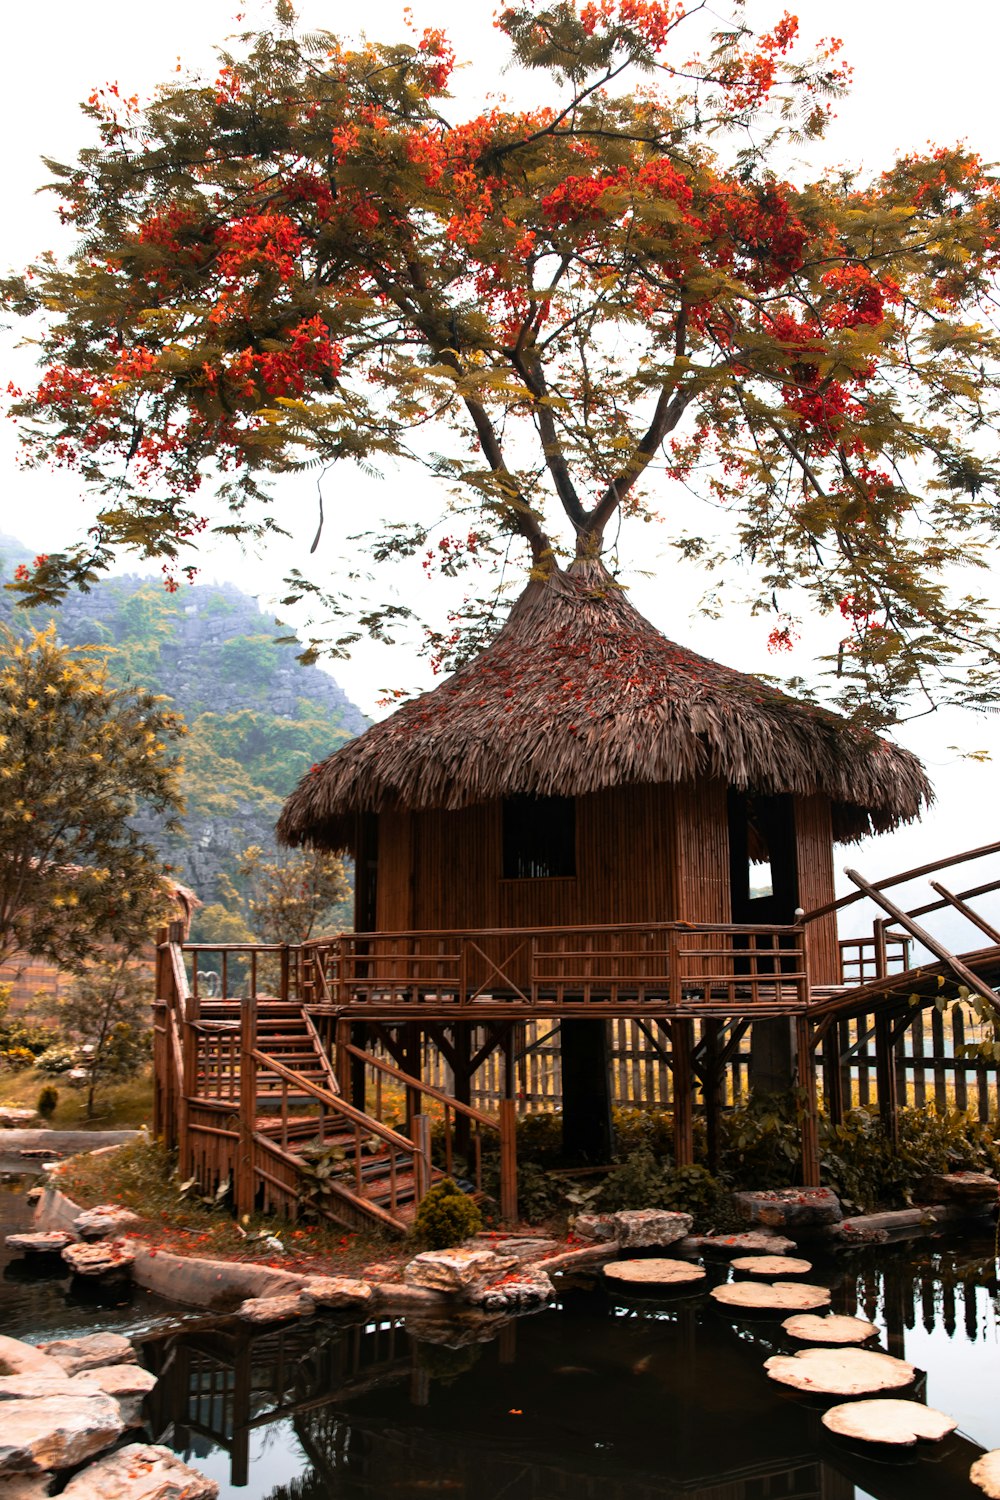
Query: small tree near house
[[106, 1013]]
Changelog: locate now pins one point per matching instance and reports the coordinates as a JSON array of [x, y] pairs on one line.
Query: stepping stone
[[772, 1265], [840, 1372], [985, 1472], [263, 1311], [639, 1227], [898, 1422], [653, 1272], [45, 1242], [56, 1432], [835, 1328], [750, 1242], [790, 1208], [772, 1296], [91, 1352], [105, 1258], [142, 1471], [107, 1218]]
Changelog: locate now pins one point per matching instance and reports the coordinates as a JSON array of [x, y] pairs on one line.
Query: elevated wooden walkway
[[310, 1088]]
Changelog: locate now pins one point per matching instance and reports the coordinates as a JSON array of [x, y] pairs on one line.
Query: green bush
[[652, 1128], [446, 1217], [57, 1059], [16, 1058], [760, 1143], [640, 1181], [48, 1100], [867, 1170]]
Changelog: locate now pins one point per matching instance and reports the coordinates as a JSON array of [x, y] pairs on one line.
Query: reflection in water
[[649, 1400]]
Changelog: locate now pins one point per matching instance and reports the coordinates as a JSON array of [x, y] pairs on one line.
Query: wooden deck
[[312, 1061]]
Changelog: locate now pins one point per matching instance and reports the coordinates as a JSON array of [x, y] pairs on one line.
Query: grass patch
[[142, 1176], [120, 1106]]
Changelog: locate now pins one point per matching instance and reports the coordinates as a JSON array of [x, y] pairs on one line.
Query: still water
[[599, 1398]]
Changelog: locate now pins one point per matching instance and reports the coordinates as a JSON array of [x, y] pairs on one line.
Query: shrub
[[57, 1059], [446, 1217], [760, 1142], [865, 1168], [653, 1128], [640, 1181], [17, 1058], [48, 1100]]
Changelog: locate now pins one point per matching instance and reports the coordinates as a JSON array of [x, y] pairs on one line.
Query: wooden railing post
[[508, 1161], [421, 1137], [244, 1186], [681, 1043], [283, 977]]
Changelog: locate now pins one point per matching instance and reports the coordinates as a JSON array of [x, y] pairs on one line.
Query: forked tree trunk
[[586, 1092]]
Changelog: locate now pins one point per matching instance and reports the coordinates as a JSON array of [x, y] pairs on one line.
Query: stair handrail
[[961, 971], [337, 1102], [430, 1089], [505, 1124], [901, 879]]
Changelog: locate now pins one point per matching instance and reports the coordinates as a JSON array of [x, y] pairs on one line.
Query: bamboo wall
[[644, 853]]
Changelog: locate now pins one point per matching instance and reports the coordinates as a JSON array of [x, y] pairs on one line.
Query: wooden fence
[[930, 1071]]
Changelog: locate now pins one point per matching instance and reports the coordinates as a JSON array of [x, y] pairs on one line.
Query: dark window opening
[[539, 837]]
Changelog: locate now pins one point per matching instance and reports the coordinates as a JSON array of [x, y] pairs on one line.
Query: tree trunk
[[586, 1091]]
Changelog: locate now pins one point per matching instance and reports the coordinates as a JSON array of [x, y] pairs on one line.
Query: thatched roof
[[579, 692]]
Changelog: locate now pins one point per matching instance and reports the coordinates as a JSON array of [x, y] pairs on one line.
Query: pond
[[598, 1398]]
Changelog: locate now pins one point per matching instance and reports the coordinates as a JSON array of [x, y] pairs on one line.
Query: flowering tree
[[558, 310], [77, 756]]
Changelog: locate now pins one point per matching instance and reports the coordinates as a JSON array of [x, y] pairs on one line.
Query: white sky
[[923, 73]]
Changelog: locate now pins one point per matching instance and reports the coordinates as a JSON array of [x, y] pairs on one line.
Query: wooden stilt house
[[523, 832]]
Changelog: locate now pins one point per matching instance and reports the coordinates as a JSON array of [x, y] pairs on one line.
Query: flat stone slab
[[104, 1258], [92, 1352], [972, 1188], [142, 1471], [129, 1385], [841, 1372], [263, 1311], [56, 1432], [772, 1296], [641, 1228], [791, 1208], [107, 1218], [460, 1272], [835, 1328], [25, 1486], [985, 1473], [515, 1292], [595, 1227], [34, 1387], [900, 1423], [653, 1272], [772, 1265], [43, 1242], [339, 1291], [19, 1358], [16, 1119], [749, 1242]]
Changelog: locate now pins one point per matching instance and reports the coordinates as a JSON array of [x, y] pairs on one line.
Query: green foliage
[[77, 757], [540, 1196], [48, 1101], [287, 899], [641, 1181], [653, 1128], [106, 1015], [320, 1167], [58, 1058], [866, 1169], [760, 1142], [446, 1217]]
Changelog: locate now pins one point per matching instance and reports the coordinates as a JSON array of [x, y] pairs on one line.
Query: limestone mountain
[[257, 718]]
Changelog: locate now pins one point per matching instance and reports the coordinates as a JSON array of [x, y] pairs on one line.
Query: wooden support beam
[[805, 1059], [682, 1038], [245, 1184], [885, 1078]]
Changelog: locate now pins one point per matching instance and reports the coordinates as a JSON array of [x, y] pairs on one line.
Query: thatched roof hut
[[579, 693]]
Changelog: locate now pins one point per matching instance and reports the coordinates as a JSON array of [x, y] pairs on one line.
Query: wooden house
[[585, 774]]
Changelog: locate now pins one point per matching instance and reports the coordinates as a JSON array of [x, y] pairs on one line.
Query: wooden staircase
[[301, 1118]]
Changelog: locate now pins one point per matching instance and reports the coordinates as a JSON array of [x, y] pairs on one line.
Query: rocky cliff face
[[257, 718]]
